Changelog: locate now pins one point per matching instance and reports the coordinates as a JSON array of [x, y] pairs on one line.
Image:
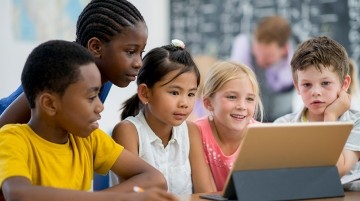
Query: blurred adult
[[268, 52]]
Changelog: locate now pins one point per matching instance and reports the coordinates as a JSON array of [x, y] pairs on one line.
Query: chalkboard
[[209, 26]]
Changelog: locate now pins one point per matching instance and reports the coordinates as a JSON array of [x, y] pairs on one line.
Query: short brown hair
[[273, 29], [321, 52]]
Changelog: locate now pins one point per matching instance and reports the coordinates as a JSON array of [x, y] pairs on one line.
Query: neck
[[162, 130], [48, 131], [310, 117], [228, 140]]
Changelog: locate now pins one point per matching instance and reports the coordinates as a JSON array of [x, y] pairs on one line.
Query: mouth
[[132, 76], [180, 116], [316, 102], [238, 116], [95, 124]]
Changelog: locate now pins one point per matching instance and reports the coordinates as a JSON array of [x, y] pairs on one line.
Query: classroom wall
[[13, 52]]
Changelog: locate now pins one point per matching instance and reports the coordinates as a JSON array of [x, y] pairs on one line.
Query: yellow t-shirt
[[70, 165]]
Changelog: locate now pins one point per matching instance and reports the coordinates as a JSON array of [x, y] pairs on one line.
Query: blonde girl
[[231, 95]]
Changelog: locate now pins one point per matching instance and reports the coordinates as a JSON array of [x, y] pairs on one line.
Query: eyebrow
[[180, 88], [93, 89]]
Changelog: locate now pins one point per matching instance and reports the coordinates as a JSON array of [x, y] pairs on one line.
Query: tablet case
[[284, 184]]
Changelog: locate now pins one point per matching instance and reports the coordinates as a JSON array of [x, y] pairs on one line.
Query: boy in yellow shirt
[[53, 156]]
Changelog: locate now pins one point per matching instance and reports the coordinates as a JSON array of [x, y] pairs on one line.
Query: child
[[155, 128], [231, 94], [61, 145], [115, 33], [320, 72]]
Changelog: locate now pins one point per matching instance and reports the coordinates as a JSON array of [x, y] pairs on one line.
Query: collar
[[153, 137]]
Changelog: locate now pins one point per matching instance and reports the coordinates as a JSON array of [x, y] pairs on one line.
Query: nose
[[316, 91], [184, 102], [99, 106], [138, 63], [240, 105]]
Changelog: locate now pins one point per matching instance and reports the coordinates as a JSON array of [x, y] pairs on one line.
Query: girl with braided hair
[[115, 33]]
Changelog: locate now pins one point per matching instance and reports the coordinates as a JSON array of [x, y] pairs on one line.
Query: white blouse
[[172, 160]]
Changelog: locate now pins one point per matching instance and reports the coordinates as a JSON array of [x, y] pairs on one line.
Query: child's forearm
[[144, 180], [338, 107]]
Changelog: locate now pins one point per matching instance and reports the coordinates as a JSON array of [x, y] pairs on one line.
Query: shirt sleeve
[[106, 151], [13, 154]]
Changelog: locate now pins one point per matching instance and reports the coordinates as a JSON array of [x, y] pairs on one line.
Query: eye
[[191, 94], [232, 97], [130, 52], [325, 83], [174, 93], [306, 85], [250, 99], [91, 99]]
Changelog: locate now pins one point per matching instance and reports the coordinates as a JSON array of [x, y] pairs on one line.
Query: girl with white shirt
[[154, 122]]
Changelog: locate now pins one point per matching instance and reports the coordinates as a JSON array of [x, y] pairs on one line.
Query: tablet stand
[[284, 184]]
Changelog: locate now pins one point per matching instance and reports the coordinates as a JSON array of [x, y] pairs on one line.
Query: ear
[[143, 93], [208, 104], [94, 45], [286, 49], [346, 83], [296, 87], [48, 103]]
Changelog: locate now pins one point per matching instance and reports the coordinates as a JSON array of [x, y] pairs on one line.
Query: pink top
[[220, 164]]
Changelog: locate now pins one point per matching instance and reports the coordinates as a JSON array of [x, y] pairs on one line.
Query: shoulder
[[242, 38], [351, 115], [14, 136], [293, 117], [15, 129], [123, 128], [202, 122]]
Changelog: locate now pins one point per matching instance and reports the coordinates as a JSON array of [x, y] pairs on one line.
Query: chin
[[122, 84]]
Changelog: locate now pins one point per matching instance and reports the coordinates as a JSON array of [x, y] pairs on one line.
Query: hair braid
[[104, 19]]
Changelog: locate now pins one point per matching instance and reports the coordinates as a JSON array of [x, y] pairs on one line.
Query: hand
[[154, 194], [338, 107]]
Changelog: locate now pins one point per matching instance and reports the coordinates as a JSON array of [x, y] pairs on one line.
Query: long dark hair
[[157, 64]]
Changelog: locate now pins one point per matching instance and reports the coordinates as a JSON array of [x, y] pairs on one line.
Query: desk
[[349, 196]]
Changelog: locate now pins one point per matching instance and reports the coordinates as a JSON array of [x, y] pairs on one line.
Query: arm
[[200, 171], [21, 189], [136, 171], [125, 134], [346, 161], [17, 112], [338, 107]]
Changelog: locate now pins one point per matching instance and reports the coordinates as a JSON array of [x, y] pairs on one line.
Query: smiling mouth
[[237, 116]]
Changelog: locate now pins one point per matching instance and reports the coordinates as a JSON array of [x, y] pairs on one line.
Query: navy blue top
[[5, 102]]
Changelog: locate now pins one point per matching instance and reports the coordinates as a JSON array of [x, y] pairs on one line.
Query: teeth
[[238, 116]]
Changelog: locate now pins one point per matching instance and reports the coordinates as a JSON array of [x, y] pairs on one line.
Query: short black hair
[[104, 19], [53, 66]]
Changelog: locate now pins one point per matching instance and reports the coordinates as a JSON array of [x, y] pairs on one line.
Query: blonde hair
[[224, 71]]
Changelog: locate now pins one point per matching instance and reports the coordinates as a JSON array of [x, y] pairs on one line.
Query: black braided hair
[[104, 19]]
